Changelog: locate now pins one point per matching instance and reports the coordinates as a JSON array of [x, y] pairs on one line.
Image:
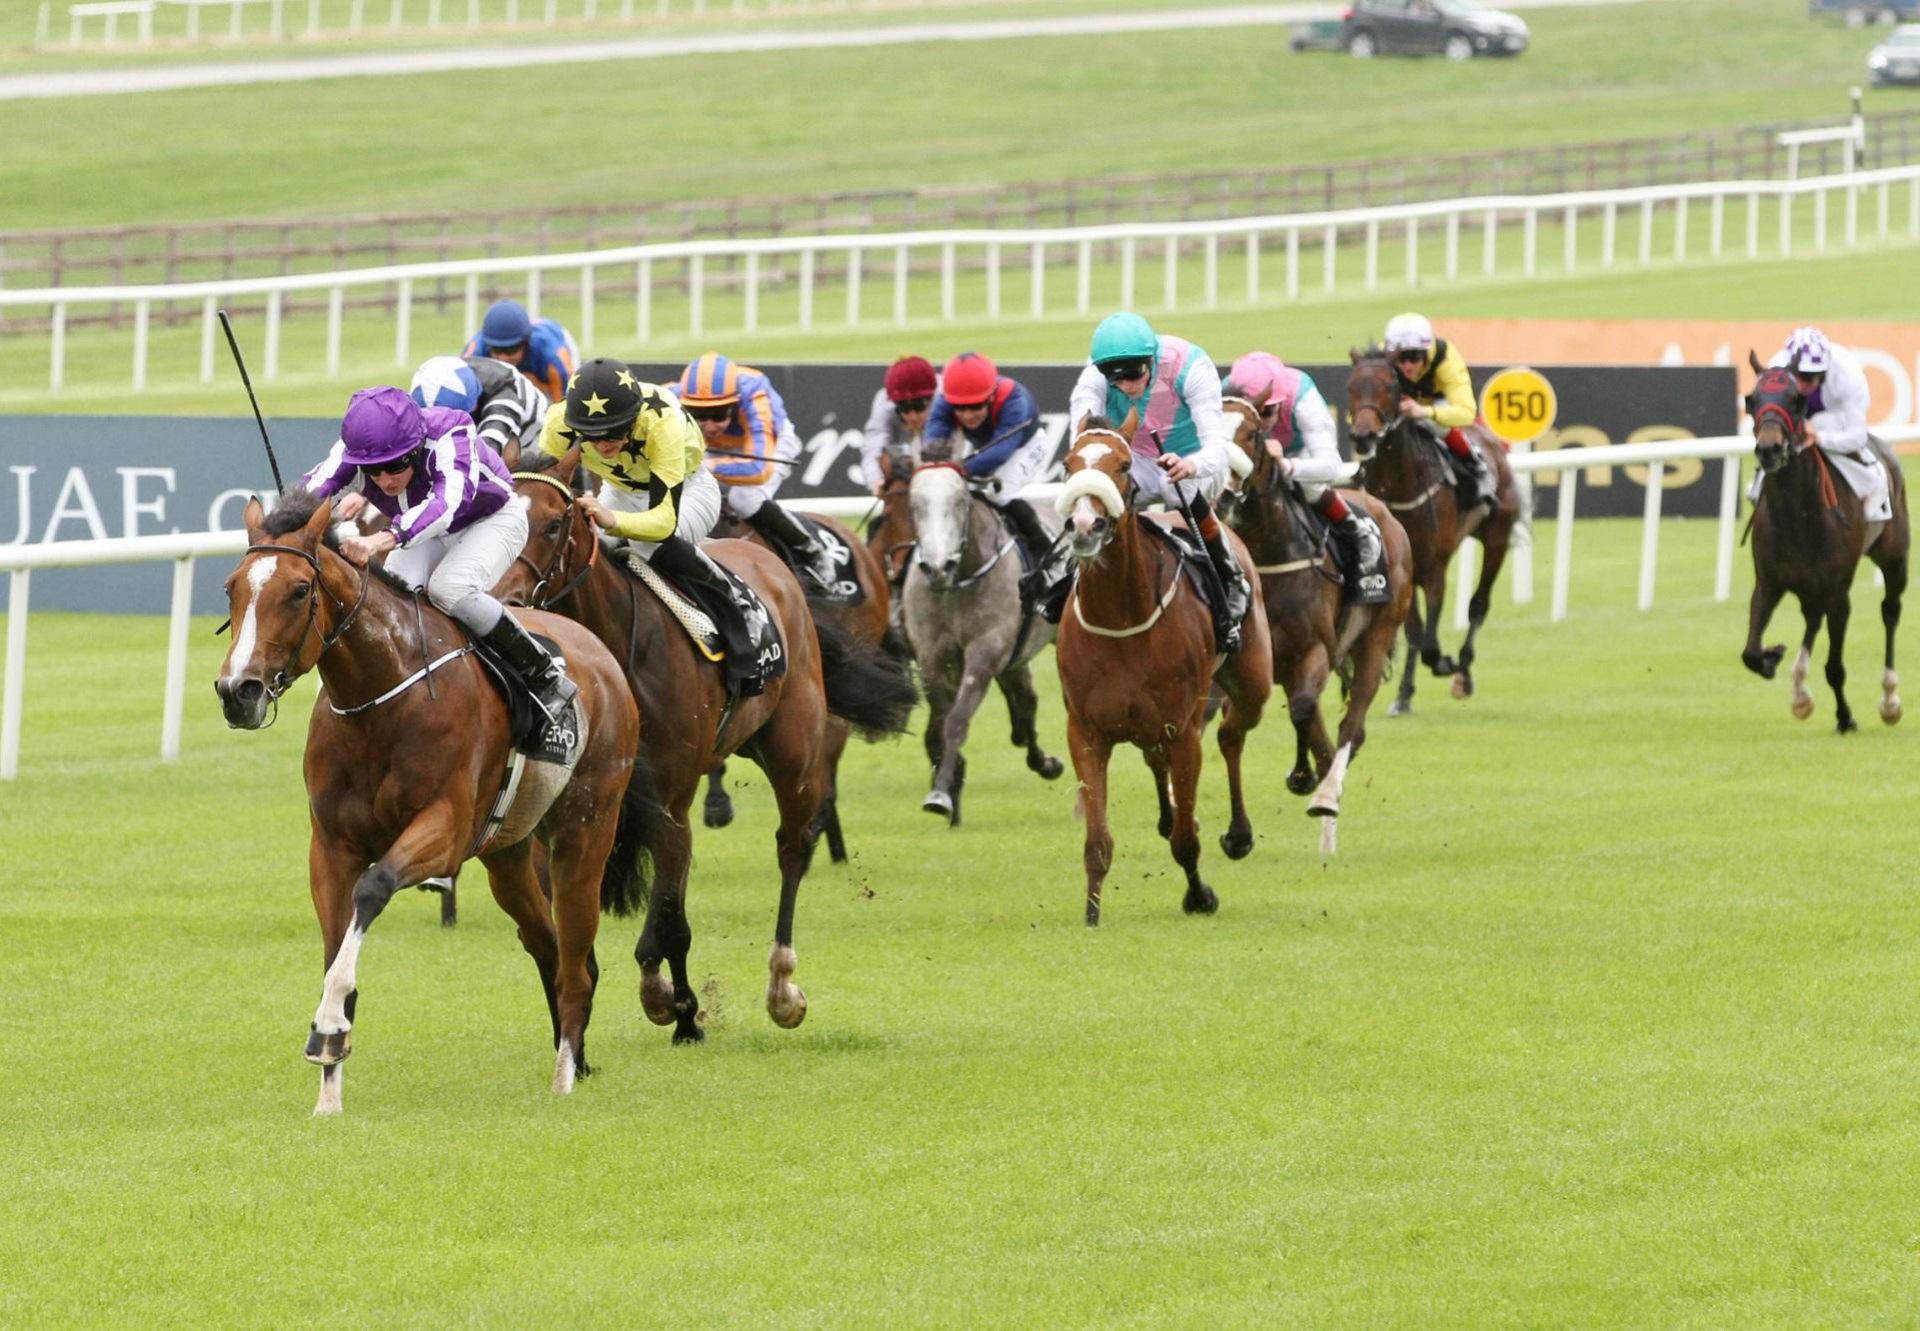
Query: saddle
[[526, 720], [726, 620], [1193, 556]]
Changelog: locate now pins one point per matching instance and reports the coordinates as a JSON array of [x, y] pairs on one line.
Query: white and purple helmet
[[1808, 351], [1409, 332]]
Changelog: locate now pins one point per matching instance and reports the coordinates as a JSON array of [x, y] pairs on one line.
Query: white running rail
[[183, 550]]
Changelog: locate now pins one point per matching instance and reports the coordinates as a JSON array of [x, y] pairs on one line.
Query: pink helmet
[[1257, 375]]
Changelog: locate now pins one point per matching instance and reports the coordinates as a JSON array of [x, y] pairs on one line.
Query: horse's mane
[[1097, 422], [537, 460], [1373, 351], [296, 509]]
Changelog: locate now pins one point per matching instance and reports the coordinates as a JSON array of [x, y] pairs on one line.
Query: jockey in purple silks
[[457, 527]]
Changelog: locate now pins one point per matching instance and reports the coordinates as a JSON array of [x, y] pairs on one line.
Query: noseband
[[281, 680]]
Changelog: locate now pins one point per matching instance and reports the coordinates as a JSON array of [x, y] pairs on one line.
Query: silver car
[[1897, 59]]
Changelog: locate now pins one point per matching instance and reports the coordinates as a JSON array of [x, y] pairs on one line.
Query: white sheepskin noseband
[[1238, 461], [1091, 483]]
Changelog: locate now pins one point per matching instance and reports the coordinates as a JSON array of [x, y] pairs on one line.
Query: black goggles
[[913, 404], [720, 413], [1409, 357], [1118, 370], [394, 466]]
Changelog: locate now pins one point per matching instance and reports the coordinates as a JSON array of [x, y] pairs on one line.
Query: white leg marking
[[1326, 800], [1329, 836], [331, 1019], [329, 1102], [563, 1069], [258, 574], [786, 1003], [1889, 697], [1802, 700]]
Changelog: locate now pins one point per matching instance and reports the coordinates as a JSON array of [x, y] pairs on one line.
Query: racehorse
[[890, 535], [967, 628], [691, 722], [1401, 465], [1136, 658], [1312, 630], [863, 611], [407, 769], [1809, 533]]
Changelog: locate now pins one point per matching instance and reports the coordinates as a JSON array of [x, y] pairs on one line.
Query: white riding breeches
[[459, 569], [699, 508], [1154, 484], [1019, 470], [743, 501]]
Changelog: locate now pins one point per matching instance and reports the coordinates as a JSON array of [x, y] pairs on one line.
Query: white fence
[[1866, 203], [184, 549]]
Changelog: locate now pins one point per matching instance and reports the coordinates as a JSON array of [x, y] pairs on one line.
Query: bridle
[[282, 680], [1387, 423], [1264, 479], [563, 550]]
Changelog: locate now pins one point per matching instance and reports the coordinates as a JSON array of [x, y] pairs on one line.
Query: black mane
[[296, 509]]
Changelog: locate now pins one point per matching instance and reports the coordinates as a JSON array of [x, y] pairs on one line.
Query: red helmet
[[910, 377], [969, 379]]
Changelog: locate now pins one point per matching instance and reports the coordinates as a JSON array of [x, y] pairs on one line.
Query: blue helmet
[[506, 325], [446, 381]]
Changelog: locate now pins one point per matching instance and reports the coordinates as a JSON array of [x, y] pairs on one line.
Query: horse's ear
[[1353, 355], [563, 469], [1260, 400], [316, 529], [1754, 361], [1131, 424], [255, 520]]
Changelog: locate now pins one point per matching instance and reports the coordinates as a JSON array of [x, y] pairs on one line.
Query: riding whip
[[226, 326]]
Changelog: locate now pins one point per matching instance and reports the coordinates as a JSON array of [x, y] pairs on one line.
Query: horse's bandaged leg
[[1802, 700], [1889, 697]]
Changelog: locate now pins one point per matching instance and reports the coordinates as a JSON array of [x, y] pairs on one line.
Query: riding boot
[[796, 543], [1044, 552], [514, 647], [1359, 542], [1228, 618], [1476, 485], [741, 624]]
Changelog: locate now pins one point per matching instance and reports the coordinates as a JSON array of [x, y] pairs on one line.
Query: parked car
[[1897, 59], [1457, 29], [1859, 13]]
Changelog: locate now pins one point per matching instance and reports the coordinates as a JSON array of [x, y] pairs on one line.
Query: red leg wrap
[[1333, 508], [1457, 442]]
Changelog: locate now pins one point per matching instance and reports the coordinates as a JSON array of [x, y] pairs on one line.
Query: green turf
[[1600, 1017]]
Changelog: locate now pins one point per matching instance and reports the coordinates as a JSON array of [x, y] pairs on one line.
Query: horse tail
[[629, 872], [866, 687]]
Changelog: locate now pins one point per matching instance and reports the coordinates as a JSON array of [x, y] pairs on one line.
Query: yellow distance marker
[[1519, 404]]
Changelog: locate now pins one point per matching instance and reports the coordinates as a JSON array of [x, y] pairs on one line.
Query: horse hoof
[[1237, 843], [1890, 710], [1445, 666], [1049, 768], [656, 1000], [1803, 708], [1401, 707], [1847, 725], [790, 1013], [1200, 900], [1463, 686], [328, 1048], [689, 1035], [1300, 780], [717, 813], [938, 801], [1764, 663], [1324, 809]]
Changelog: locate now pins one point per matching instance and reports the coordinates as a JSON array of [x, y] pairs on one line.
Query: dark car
[[1897, 59], [1457, 29]]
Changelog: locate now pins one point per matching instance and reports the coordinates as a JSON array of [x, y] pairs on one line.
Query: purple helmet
[[381, 424]]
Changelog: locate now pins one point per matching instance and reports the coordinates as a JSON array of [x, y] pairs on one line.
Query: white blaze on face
[[1090, 454], [259, 574], [938, 496]]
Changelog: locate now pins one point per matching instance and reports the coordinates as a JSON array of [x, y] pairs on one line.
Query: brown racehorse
[[1405, 469], [890, 534], [1313, 631], [866, 621], [403, 768], [1136, 661], [1809, 533], [691, 724]]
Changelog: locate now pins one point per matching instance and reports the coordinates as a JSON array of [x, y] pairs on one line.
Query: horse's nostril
[[248, 690]]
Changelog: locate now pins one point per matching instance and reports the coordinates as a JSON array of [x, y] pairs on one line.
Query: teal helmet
[[1124, 336]]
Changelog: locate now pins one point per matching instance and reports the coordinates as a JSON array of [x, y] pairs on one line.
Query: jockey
[[457, 527], [1301, 438], [539, 348], [506, 407], [1830, 378], [1173, 389], [744, 421], [898, 417], [653, 491], [1436, 391], [1005, 449]]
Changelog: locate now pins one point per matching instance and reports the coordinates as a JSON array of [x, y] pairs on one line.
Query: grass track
[[1582, 1026]]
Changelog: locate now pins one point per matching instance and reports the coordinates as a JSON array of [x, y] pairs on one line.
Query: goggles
[[1118, 371], [913, 404], [1413, 357], [717, 414], [394, 466]]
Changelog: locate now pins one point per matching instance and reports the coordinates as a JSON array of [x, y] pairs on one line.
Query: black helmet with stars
[[603, 398]]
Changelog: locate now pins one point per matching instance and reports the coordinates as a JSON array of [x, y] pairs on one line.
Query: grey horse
[[962, 610]]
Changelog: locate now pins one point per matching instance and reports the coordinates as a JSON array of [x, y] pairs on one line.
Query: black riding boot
[[739, 628], [1227, 618], [1476, 485], [517, 650], [802, 551], [1043, 550], [1359, 542]]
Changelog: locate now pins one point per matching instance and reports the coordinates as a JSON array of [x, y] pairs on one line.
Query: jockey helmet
[[506, 325], [381, 424], [1808, 351], [446, 381], [1409, 332], [1256, 375], [910, 377], [969, 379], [1123, 336], [711, 381], [603, 398]]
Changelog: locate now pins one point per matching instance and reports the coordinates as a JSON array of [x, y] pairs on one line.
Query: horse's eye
[[553, 529], [300, 590]]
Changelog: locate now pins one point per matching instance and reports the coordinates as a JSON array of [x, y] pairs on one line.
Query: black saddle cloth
[[845, 588], [526, 719], [1186, 543]]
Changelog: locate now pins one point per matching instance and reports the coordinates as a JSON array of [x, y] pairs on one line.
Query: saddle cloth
[[765, 653], [845, 588], [1193, 555]]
